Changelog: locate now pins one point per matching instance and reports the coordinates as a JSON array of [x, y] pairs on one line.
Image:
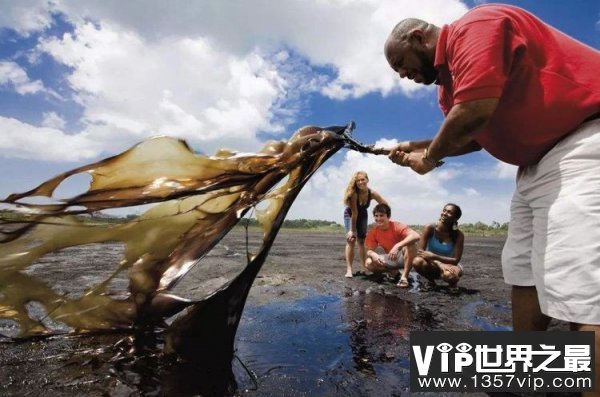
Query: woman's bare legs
[[350, 257], [426, 269], [410, 253], [362, 253]]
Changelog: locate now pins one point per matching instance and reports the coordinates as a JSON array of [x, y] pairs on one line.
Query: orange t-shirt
[[386, 239]]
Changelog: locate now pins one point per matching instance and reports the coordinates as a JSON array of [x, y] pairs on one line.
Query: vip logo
[[469, 361], [460, 357]]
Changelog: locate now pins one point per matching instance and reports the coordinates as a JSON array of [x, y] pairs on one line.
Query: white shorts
[[554, 231], [390, 264]]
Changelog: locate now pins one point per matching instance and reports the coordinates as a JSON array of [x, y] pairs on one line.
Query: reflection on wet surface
[[327, 345], [478, 322], [321, 344], [318, 345]]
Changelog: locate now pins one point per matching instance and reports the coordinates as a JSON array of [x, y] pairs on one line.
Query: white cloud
[[505, 170], [347, 35], [415, 199], [20, 140], [177, 86], [53, 120], [214, 73], [471, 192], [11, 74], [25, 16]]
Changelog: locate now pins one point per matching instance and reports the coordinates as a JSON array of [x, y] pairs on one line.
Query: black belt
[[592, 117]]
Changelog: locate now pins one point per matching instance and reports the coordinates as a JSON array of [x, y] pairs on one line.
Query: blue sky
[[84, 80]]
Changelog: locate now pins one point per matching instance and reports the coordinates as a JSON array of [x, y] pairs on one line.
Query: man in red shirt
[[397, 240], [529, 95]]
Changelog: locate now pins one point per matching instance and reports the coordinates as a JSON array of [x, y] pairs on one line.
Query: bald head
[[406, 26], [410, 50], [404, 30]]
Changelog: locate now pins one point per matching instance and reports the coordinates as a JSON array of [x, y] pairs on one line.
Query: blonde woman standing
[[357, 198]]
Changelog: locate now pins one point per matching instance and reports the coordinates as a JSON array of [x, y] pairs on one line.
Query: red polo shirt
[[547, 82]]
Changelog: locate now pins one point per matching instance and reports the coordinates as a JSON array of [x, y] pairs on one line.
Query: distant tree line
[[298, 223], [479, 228], [476, 229]]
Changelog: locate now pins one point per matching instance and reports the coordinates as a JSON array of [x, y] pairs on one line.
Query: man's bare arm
[[412, 237], [419, 146], [460, 127]]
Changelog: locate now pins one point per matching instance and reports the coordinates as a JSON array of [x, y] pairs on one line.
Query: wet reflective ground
[[319, 345], [325, 345], [306, 329]]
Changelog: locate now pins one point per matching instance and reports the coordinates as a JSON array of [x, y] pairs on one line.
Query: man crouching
[[397, 240]]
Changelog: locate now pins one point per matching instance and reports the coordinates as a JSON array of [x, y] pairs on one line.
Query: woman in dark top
[[357, 199], [440, 248]]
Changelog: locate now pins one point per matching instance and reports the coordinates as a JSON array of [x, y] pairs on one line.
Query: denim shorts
[[361, 225]]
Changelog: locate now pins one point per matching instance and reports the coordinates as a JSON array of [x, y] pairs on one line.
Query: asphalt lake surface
[[306, 330]]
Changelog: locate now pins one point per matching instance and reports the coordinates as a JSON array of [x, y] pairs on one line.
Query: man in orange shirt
[[397, 240]]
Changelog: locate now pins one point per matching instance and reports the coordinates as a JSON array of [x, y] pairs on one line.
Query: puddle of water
[[469, 312], [319, 345], [324, 345]]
